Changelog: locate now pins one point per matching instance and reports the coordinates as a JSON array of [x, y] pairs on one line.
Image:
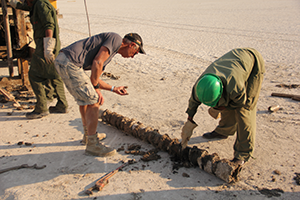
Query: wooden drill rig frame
[[13, 25]]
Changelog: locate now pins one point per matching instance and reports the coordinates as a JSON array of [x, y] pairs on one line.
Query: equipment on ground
[[99, 185], [22, 166]]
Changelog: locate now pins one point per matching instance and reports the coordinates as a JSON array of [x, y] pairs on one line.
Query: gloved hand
[[186, 133], [49, 44], [13, 3], [214, 113]]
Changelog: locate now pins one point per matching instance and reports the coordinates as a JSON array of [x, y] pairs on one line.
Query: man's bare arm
[[97, 65]]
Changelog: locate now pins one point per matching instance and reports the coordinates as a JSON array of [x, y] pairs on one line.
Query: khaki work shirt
[[240, 71], [42, 18]]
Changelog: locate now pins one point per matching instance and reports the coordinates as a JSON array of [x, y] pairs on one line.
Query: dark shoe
[[53, 109], [238, 161], [213, 135], [36, 115]]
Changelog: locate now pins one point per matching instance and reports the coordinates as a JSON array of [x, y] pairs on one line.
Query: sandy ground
[[181, 39]]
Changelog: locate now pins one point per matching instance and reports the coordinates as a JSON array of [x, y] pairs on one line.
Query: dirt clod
[[134, 147], [120, 149], [277, 172], [271, 193], [135, 152], [151, 155], [297, 178]]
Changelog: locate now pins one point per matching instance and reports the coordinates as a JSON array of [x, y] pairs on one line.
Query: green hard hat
[[209, 89]]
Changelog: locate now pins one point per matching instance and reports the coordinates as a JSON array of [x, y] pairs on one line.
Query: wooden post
[[7, 38], [285, 95], [22, 33], [293, 96]]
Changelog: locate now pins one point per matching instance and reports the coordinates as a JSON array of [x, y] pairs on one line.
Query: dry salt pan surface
[[181, 39]]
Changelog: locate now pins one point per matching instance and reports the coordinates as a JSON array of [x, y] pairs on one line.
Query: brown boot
[[95, 148], [101, 136]]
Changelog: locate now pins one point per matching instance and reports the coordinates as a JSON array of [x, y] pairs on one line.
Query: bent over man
[[94, 53], [230, 85], [46, 37]]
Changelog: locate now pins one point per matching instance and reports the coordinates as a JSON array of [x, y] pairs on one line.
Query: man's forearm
[[96, 72], [104, 85]]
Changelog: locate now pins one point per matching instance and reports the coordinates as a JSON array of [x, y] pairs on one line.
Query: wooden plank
[[9, 96], [24, 66], [3, 48], [9, 11]]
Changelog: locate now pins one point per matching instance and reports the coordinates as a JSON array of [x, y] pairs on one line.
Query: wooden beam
[[292, 96], [20, 25], [9, 96], [7, 38]]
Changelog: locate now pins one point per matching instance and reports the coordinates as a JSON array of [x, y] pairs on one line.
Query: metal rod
[[87, 16]]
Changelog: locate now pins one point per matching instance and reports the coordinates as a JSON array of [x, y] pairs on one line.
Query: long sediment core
[[211, 163]]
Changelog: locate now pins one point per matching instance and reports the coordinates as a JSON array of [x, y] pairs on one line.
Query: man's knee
[[94, 106]]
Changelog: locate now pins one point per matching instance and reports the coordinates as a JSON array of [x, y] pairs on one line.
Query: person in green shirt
[[46, 37], [230, 85]]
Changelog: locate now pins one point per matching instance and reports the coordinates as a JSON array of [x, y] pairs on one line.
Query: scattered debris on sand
[[290, 86], [110, 75]]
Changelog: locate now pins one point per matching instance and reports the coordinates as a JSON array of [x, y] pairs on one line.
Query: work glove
[[214, 113], [186, 133], [13, 3], [49, 44]]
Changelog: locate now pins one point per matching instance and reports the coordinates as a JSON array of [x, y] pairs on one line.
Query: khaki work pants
[[243, 122]]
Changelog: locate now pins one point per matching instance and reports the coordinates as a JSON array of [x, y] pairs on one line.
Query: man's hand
[[13, 3], [49, 44], [121, 90], [101, 98], [186, 133]]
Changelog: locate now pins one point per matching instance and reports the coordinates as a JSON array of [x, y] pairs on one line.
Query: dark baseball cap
[[136, 38]]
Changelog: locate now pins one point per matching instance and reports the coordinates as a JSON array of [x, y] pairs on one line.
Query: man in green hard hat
[[231, 86]]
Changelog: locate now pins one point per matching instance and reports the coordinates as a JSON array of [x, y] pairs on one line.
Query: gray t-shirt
[[83, 52]]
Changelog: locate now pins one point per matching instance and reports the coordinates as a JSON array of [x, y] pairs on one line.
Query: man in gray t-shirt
[[94, 53]]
